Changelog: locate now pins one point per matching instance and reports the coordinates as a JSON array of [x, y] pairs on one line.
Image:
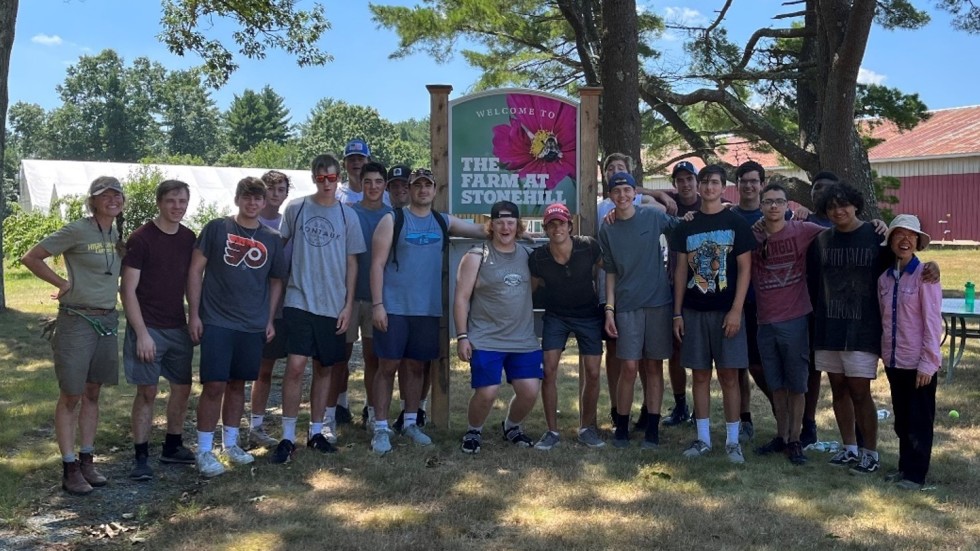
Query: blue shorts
[[486, 367], [408, 337], [227, 354], [588, 333], [313, 336]]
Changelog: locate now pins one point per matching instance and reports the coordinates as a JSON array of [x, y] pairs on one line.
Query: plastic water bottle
[[970, 295], [824, 447]]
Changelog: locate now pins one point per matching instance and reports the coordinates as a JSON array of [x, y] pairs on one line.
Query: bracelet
[[462, 336], [377, 304], [610, 308], [678, 317]]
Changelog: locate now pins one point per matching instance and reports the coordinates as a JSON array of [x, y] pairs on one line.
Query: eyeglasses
[[910, 237], [320, 178], [771, 202]]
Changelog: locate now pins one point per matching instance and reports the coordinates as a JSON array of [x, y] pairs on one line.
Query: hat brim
[[924, 238]]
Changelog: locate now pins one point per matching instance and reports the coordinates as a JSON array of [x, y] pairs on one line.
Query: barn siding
[[952, 197]]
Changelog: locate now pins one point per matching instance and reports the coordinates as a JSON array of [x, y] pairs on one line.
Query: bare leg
[[549, 388], [88, 416], [261, 387], [525, 395], [843, 408], [728, 378], [589, 399], [612, 372], [654, 388], [781, 407], [209, 406], [384, 386], [321, 388], [480, 404], [233, 404], [292, 384], [624, 388], [865, 412], [370, 368], [701, 388], [64, 422], [177, 408], [795, 403], [411, 385], [141, 418]]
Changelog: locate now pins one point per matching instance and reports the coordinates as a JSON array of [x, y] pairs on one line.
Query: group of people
[[362, 258]]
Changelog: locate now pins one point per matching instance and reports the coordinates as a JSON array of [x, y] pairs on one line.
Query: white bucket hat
[[909, 222]]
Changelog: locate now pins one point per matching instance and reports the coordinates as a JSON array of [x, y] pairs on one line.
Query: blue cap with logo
[[685, 166], [357, 146], [622, 179]]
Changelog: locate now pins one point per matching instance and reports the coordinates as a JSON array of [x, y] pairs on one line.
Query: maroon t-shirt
[[163, 261], [780, 277]]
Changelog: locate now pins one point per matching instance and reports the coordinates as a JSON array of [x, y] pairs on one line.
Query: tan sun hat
[[909, 222]]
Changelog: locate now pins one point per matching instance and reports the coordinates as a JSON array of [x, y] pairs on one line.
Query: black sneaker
[[642, 421], [399, 423], [343, 416], [868, 465], [776, 445], [180, 454], [471, 442], [515, 435], [284, 452], [141, 470], [319, 443], [809, 433], [677, 416], [794, 452], [844, 458]]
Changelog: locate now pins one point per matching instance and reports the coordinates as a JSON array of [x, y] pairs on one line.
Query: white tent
[[41, 182]]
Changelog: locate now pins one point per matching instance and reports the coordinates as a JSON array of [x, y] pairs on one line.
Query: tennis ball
[[953, 414]]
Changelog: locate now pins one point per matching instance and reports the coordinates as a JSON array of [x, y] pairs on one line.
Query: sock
[[229, 437], [852, 448], [424, 404], [257, 421], [330, 415], [289, 429], [653, 429], [370, 413], [315, 428], [409, 420], [704, 431], [142, 450], [172, 441], [380, 424], [622, 424], [746, 417], [872, 453], [205, 441], [472, 428], [68, 458], [508, 424], [87, 449], [342, 400], [680, 400], [731, 432]]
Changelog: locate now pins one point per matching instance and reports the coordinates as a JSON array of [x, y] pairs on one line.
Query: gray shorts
[[704, 341], [785, 350], [361, 320], [645, 334], [83, 356], [173, 359]]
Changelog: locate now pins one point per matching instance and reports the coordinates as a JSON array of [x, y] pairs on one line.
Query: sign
[[513, 145]]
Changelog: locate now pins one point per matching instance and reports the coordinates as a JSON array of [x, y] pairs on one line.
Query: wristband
[[678, 317], [377, 304], [610, 308], [462, 336]]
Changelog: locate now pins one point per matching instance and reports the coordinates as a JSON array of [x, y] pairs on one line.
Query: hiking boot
[[643, 420], [284, 452], [548, 440], [87, 465], [734, 453], [894, 475], [238, 456], [746, 432], [794, 452], [471, 442], [141, 470], [844, 458], [590, 437], [809, 433], [515, 435], [776, 445], [329, 431], [414, 432], [258, 438], [72, 480], [868, 465], [320, 443], [906, 484], [697, 449], [208, 465], [381, 441], [677, 416], [343, 416], [180, 455]]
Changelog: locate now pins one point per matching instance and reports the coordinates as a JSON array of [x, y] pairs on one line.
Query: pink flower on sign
[[540, 139]]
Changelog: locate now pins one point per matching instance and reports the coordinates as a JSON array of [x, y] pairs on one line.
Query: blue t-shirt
[[413, 287], [369, 222]]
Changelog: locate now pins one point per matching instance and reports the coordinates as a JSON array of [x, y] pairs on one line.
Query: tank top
[[501, 316]]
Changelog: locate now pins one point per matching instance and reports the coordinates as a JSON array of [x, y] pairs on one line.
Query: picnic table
[[955, 318]]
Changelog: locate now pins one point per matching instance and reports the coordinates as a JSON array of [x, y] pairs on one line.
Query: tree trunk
[[619, 71], [8, 22]]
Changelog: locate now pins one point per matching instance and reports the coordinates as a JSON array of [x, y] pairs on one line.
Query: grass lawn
[[503, 498]]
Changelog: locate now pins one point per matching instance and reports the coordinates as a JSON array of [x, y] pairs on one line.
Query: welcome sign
[[513, 145]]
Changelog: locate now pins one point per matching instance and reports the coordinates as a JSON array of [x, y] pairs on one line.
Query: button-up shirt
[[911, 319]]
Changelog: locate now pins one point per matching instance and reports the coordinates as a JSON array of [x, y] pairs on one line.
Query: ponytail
[[120, 244]]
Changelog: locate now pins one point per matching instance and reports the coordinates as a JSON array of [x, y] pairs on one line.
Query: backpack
[[399, 215]]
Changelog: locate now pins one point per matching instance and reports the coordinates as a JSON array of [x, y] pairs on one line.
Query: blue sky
[[52, 34]]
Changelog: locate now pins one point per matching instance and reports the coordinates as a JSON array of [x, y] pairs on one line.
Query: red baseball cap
[[557, 211]]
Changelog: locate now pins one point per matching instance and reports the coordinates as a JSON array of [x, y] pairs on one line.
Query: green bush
[[25, 228], [205, 214], [141, 196]]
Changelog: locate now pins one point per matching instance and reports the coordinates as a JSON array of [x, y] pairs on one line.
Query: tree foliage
[[255, 117]]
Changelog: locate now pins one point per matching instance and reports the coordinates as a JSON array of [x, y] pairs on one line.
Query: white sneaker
[[238, 456], [734, 452], [415, 433], [258, 438], [208, 465], [329, 431]]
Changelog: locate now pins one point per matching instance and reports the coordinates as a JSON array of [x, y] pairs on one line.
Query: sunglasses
[[320, 178], [422, 172]]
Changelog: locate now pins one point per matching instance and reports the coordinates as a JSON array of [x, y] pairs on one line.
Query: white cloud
[[684, 17], [46, 40], [867, 76]]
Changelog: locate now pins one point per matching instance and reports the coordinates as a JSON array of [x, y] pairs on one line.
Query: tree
[[191, 121], [256, 117], [8, 21], [28, 131], [331, 124]]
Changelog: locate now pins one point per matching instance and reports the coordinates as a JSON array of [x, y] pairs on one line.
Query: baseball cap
[[557, 211], [103, 183], [622, 179], [684, 165], [504, 209], [420, 173], [357, 146], [398, 172]]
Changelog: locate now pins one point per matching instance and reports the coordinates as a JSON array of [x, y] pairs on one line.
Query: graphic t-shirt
[[88, 254], [779, 272], [568, 289], [369, 220], [235, 293], [712, 243], [631, 250], [163, 260], [413, 287]]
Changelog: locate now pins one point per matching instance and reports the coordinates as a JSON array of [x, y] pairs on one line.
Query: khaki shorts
[[850, 363], [361, 320], [83, 356]]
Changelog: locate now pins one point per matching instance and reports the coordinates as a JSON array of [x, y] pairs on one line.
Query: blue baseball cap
[[686, 166], [357, 147], [622, 179]]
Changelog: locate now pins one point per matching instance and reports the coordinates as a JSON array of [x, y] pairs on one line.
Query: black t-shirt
[[568, 289], [712, 243]]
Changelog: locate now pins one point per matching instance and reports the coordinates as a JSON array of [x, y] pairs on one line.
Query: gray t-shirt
[[501, 314], [321, 238], [89, 254], [414, 286], [369, 220], [631, 250]]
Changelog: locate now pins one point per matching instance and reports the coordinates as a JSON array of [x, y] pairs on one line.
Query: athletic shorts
[[587, 331], [276, 348], [230, 355], [751, 321], [851, 363], [486, 367], [645, 333], [704, 341], [408, 337], [313, 336], [174, 353], [785, 350], [361, 322], [83, 356]]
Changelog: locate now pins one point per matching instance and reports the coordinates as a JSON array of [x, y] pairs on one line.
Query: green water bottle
[[970, 296]]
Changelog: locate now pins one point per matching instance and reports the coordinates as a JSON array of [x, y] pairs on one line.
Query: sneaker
[[906, 484], [697, 449], [809, 433], [471, 442], [258, 438], [746, 432], [620, 441], [867, 465], [284, 452], [414, 432], [320, 443], [776, 445], [343, 416], [208, 465], [515, 435], [677, 416], [734, 453], [238, 456], [329, 432], [794, 452], [381, 441], [400, 422], [548, 440], [141, 470], [844, 458], [590, 437], [642, 421], [180, 454], [894, 475], [649, 445]]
